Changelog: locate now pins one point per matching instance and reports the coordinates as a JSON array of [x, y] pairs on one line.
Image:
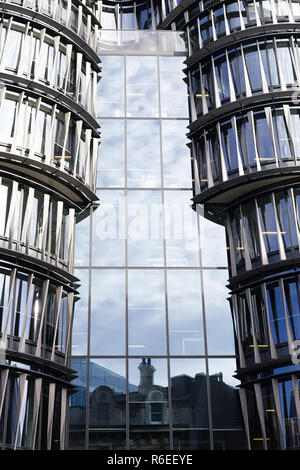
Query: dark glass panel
[[189, 393], [148, 404], [191, 439], [276, 313]]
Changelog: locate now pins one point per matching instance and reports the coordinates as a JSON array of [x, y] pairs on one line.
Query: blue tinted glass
[[276, 313]]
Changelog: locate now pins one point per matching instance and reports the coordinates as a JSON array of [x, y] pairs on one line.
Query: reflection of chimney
[[146, 376]]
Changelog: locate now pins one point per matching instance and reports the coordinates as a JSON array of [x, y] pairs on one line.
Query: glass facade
[[154, 344], [244, 125], [48, 142]]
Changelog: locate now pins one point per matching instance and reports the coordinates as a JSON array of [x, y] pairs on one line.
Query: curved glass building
[[243, 73], [48, 148]]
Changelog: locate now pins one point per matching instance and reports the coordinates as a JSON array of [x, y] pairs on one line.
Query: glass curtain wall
[[153, 344]]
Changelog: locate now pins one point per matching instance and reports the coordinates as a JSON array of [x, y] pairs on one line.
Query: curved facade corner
[[243, 75], [48, 151]]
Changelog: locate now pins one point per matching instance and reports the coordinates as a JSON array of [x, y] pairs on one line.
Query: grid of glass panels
[[153, 343]]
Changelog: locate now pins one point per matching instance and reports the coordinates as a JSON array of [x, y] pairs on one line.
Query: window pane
[[226, 409], [146, 312], [107, 404], [142, 88], [148, 404], [143, 154], [80, 322], [185, 313], [108, 247], [82, 243], [176, 155], [78, 405], [217, 310], [189, 393], [108, 312], [173, 89], [111, 159], [181, 229], [213, 243], [111, 90], [145, 246]]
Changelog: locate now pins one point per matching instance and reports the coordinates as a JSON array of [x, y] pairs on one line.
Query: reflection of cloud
[[80, 322], [218, 315], [213, 244], [108, 312], [82, 243]]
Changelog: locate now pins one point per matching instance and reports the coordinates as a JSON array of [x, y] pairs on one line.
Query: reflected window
[[107, 404], [148, 404]]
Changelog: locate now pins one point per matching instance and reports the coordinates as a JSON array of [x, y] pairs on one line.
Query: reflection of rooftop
[[149, 402]]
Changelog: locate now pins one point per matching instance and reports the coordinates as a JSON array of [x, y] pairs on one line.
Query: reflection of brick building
[[148, 404]]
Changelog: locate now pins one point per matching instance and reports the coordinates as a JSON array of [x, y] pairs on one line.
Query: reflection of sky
[[110, 95], [189, 367], [146, 312], [143, 153], [108, 312], [142, 86], [213, 243], [217, 309], [80, 322], [227, 367], [160, 374], [108, 248], [82, 242], [176, 155], [185, 312], [174, 101]]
